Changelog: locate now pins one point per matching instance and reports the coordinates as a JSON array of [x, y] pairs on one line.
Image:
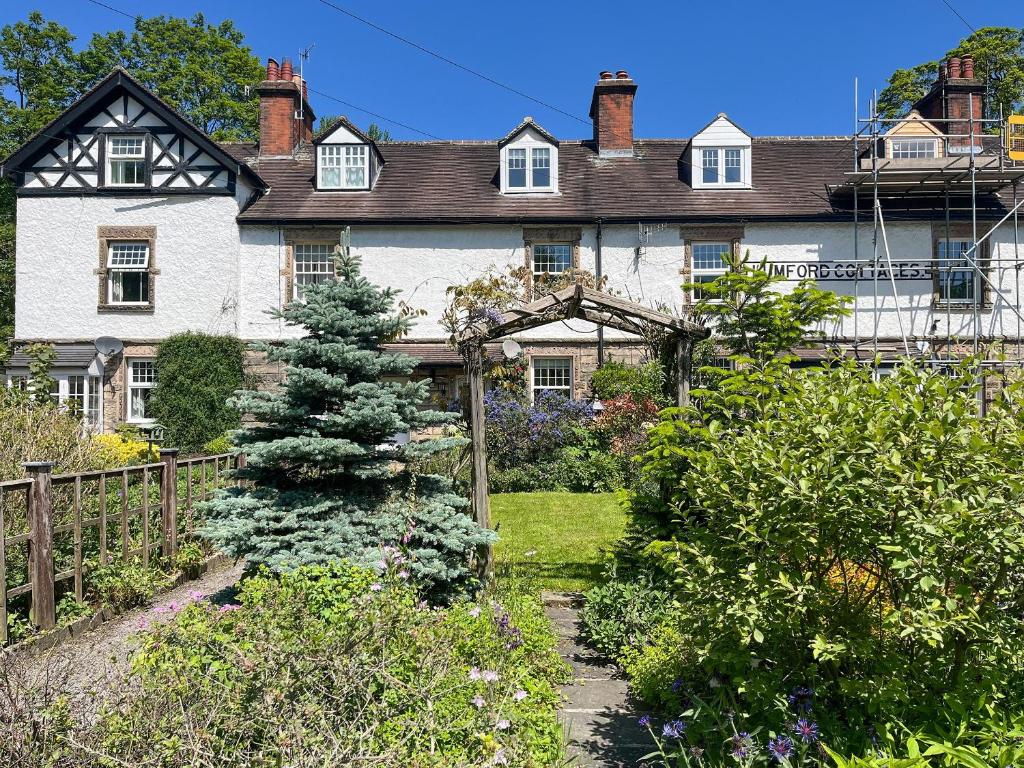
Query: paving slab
[[598, 714]]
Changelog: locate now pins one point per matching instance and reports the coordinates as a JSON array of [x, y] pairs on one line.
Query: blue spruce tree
[[324, 478]]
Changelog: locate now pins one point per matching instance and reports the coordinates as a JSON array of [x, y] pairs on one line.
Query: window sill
[[120, 308], [961, 309]]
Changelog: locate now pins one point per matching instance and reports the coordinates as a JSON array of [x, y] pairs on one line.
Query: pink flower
[[499, 757], [376, 587], [489, 677], [474, 674], [503, 725], [520, 695], [403, 574], [474, 611], [478, 700], [227, 608], [195, 594]]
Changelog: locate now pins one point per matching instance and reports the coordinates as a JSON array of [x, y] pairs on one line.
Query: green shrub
[[621, 614], [336, 666], [122, 586], [219, 444], [40, 432], [189, 557], [196, 374], [858, 537], [587, 470], [641, 382]]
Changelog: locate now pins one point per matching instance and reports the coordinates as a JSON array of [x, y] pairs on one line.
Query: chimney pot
[[622, 75], [967, 67], [605, 75], [953, 68], [272, 69], [286, 69]]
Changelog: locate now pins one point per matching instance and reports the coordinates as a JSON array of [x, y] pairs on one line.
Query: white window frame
[[91, 396], [720, 154], [114, 270], [131, 386], [340, 156], [944, 266], [533, 150], [321, 250], [917, 152], [704, 271], [545, 361], [533, 258], [111, 158]]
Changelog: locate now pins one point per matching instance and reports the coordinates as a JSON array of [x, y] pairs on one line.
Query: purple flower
[[478, 700], [474, 674], [801, 699], [376, 587], [743, 745], [673, 729], [489, 676], [781, 748], [474, 611], [195, 594], [503, 725], [403, 574], [520, 695], [807, 730], [677, 685], [499, 757], [227, 608], [644, 721]]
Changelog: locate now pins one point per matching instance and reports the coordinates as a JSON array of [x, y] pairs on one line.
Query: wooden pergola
[[573, 302]]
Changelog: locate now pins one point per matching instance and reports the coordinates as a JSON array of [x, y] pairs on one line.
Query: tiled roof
[[66, 356], [457, 182], [439, 354]]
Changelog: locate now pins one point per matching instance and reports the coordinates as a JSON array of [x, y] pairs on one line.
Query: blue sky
[[783, 67]]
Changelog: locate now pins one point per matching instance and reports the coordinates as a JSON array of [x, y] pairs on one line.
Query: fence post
[[40, 511], [169, 500]]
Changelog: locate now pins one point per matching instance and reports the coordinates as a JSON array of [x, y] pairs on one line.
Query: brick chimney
[[282, 95], [611, 109], [951, 100]]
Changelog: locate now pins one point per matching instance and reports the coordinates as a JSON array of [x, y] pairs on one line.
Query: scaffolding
[[972, 166]]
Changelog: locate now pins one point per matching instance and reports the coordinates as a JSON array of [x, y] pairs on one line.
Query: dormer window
[[343, 166], [722, 166], [719, 156], [914, 149], [126, 161], [529, 160]]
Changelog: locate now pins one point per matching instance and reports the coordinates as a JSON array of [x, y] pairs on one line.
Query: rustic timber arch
[[574, 302]]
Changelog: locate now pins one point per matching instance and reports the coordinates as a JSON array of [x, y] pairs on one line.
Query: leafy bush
[[855, 536], [520, 433], [196, 374], [219, 444], [118, 450], [640, 382], [122, 586], [340, 666], [587, 470], [189, 557], [40, 432], [620, 614]]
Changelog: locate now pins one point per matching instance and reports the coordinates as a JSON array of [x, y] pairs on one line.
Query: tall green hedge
[[196, 374]]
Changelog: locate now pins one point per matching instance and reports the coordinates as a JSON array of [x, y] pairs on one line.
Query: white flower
[[474, 674], [520, 695], [489, 676], [474, 611], [503, 725], [478, 700], [530, 553]]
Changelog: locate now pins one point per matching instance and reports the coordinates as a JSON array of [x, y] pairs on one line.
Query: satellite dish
[[511, 348], [108, 346]]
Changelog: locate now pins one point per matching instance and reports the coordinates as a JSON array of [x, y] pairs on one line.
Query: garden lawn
[[566, 532]]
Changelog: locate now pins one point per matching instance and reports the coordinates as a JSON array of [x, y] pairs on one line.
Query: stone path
[[598, 714], [89, 667]]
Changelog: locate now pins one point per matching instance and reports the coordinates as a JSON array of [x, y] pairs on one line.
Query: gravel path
[[88, 667], [598, 713]]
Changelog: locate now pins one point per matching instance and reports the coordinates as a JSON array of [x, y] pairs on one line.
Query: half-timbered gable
[[121, 139]]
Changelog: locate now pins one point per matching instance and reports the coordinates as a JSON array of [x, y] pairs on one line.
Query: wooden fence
[[128, 512]]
